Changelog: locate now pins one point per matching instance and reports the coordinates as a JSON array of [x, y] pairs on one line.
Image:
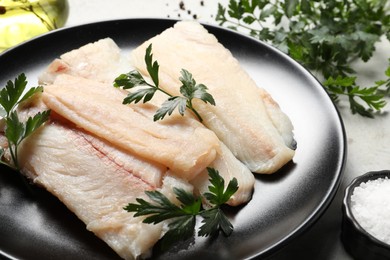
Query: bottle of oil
[[21, 20]]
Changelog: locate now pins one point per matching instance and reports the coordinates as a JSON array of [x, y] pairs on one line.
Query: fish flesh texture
[[279, 119], [95, 180], [98, 109], [240, 118], [228, 167], [101, 60], [225, 162], [92, 184]]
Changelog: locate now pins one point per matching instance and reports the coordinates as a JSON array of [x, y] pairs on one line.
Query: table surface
[[368, 142]]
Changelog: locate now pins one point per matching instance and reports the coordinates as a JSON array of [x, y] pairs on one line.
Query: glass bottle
[[21, 20]]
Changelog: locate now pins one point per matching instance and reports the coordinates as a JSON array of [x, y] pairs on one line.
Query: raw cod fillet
[[95, 180], [225, 162], [228, 166], [92, 185], [240, 119], [101, 60], [98, 109]]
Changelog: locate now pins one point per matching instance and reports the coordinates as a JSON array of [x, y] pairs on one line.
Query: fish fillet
[[279, 119], [99, 110], [151, 172], [95, 180], [228, 167], [101, 60], [225, 162], [91, 185], [240, 118]]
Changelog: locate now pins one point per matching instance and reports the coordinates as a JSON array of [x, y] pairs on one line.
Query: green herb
[[385, 83], [325, 36], [189, 89], [183, 217], [371, 96], [16, 131]]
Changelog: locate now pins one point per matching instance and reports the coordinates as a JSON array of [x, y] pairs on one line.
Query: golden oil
[[21, 20]]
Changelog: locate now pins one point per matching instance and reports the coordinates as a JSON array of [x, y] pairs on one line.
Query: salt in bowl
[[360, 242]]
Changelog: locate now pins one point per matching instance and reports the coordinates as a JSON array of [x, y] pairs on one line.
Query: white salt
[[370, 205]]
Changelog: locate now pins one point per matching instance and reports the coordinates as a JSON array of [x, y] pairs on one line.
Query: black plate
[[284, 204]]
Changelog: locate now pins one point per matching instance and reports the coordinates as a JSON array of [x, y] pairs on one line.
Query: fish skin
[[98, 109], [240, 118]]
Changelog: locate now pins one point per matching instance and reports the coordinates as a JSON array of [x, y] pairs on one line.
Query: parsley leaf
[[189, 89], [183, 217], [16, 131], [217, 195], [180, 228], [152, 67], [169, 106], [11, 93], [214, 220], [325, 36], [384, 85], [370, 95]]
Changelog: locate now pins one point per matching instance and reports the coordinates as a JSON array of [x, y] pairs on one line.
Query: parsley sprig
[[385, 83], [16, 131], [183, 218], [325, 36], [189, 89]]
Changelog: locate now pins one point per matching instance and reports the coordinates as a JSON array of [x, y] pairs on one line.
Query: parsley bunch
[[183, 217], [16, 131], [325, 36], [189, 89]]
